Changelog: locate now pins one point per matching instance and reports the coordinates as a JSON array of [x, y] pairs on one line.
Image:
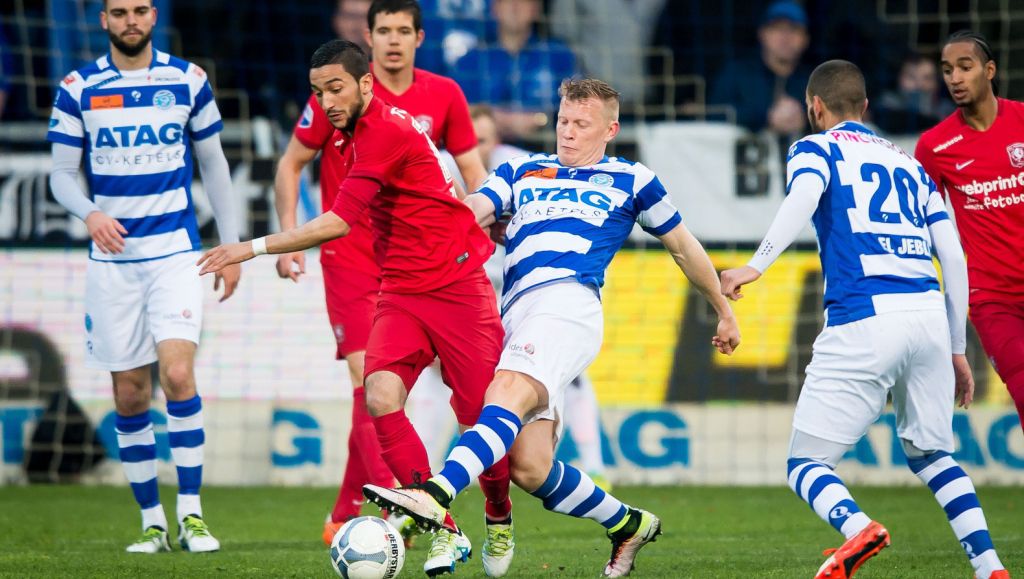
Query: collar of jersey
[[853, 127], [110, 62]]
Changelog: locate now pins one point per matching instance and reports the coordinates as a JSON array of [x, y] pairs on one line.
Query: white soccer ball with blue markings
[[367, 548]]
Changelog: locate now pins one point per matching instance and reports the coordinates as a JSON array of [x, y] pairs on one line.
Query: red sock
[[350, 495], [402, 449], [363, 438], [494, 482]]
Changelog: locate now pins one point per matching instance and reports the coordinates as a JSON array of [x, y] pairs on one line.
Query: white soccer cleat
[[194, 535], [625, 545], [413, 501], [498, 549], [447, 549], [153, 540]]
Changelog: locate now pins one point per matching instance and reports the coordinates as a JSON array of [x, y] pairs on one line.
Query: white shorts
[[854, 366], [552, 334], [129, 307]]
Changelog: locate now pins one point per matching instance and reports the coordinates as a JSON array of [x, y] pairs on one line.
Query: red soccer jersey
[[438, 104], [983, 175], [424, 237], [355, 250]]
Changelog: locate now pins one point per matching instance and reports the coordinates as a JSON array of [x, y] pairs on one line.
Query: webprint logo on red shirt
[[1016, 153]]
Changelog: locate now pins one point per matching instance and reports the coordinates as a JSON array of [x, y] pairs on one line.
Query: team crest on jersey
[[1016, 153], [164, 99], [426, 123], [601, 180], [307, 117]]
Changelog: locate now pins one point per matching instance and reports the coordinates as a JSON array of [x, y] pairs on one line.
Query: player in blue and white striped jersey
[[570, 213], [137, 115], [888, 331]]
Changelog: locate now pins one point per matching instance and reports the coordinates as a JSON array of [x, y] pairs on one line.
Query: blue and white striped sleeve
[[655, 212], [935, 208], [204, 120], [807, 158], [498, 188], [66, 125]]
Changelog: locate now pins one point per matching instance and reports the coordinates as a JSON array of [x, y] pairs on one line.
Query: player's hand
[[106, 232], [230, 275], [964, 381], [222, 256], [733, 281], [291, 265], [727, 338], [497, 230]]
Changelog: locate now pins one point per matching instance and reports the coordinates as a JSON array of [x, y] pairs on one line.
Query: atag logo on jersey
[[595, 199], [138, 135], [1016, 153], [164, 99]]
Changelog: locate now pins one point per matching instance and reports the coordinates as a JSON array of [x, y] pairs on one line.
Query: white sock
[[189, 505], [154, 517]]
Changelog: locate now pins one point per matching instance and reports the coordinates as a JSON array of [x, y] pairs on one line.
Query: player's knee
[[385, 394], [130, 396], [178, 376], [514, 391]]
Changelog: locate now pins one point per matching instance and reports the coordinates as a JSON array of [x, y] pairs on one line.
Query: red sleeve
[[354, 197], [459, 135], [313, 129], [924, 156], [378, 151]]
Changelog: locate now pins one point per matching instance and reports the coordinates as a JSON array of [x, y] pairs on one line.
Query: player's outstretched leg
[[955, 493], [479, 448], [137, 449], [816, 483], [571, 492]]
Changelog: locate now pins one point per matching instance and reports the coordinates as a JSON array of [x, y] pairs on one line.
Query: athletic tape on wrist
[[259, 246]]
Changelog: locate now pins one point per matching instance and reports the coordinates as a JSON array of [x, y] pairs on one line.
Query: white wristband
[[259, 246]]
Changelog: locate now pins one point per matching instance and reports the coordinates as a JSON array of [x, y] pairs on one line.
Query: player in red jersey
[[976, 156], [351, 274], [435, 299]]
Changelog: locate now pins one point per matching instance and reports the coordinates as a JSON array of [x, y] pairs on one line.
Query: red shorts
[[351, 297], [458, 323], [1000, 326]]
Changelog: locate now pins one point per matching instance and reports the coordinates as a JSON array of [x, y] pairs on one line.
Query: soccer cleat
[[499, 546], [153, 540], [194, 535], [1000, 574], [331, 529], [416, 501], [447, 549], [627, 542], [406, 526], [844, 561]]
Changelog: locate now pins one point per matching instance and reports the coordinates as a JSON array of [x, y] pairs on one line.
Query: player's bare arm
[[471, 166], [695, 264], [482, 208], [324, 228], [286, 197]]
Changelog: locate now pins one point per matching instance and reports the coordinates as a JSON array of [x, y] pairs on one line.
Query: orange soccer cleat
[[331, 529], [1000, 574], [844, 561]]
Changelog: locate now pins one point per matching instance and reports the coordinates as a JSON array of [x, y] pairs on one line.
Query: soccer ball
[[367, 548]]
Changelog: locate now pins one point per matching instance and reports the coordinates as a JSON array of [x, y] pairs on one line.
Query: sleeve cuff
[[208, 131], [55, 137], [665, 227]]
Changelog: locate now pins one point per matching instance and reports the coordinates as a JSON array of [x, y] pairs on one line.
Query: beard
[[353, 116], [130, 50]]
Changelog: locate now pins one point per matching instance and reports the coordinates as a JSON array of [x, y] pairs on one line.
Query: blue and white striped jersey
[[872, 223], [136, 130], [568, 222]]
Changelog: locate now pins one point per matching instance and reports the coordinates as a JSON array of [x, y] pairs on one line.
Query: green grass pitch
[[710, 532]]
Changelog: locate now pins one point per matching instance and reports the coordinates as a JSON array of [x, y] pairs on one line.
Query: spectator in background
[[350, 22], [917, 104], [767, 90], [453, 28], [612, 38], [518, 72]]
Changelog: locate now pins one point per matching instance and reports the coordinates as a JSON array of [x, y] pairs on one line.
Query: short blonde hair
[[584, 88]]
